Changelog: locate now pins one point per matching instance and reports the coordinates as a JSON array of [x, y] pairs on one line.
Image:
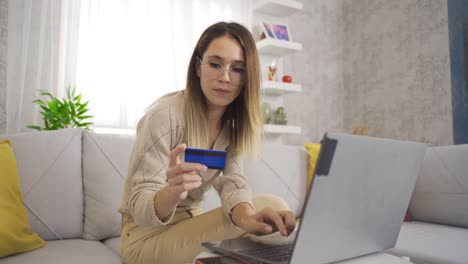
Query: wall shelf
[[273, 49], [278, 47], [279, 8], [279, 88], [281, 129]]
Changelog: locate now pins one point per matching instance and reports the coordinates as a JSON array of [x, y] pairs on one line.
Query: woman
[[219, 109]]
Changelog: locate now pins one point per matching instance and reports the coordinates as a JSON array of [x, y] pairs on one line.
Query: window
[[132, 52]]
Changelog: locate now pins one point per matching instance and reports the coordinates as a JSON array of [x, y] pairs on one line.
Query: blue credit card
[[213, 159]]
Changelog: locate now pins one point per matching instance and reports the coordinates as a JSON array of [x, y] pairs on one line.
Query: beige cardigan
[[159, 131]]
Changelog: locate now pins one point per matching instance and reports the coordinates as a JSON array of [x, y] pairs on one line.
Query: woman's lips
[[222, 91]]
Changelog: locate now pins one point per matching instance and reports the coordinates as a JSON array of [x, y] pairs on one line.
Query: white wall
[[397, 61], [380, 64], [319, 68]]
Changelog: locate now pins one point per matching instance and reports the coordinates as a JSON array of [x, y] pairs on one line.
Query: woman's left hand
[[268, 221]]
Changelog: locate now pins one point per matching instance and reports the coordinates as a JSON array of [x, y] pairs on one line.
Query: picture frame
[[281, 31], [267, 29]]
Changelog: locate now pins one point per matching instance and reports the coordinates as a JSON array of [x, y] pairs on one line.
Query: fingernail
[[268, 229], [204, 168]]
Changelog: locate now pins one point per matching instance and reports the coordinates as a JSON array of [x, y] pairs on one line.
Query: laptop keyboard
[[275, 253]]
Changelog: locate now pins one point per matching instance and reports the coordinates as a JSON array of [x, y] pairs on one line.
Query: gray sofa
[[439, 208], [72, 183]]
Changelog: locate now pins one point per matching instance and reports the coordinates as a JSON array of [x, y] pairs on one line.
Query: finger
[[174, 155], [184, 178], [185, 168], [260, 217], [289, 221], [186, 186], [188, 167], [274, 216], [259, 228]]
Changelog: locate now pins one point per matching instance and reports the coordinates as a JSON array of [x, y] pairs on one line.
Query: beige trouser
[[180, 241]]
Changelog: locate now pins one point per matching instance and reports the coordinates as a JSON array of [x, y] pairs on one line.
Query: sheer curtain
[[132, 52], [42, 39]]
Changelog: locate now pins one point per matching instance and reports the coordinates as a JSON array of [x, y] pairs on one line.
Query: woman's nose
[[225, 75]]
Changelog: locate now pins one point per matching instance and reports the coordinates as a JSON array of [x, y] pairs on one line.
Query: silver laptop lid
[[360, 192]]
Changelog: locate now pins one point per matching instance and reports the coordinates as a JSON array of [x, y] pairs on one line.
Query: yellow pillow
[[15, 233], [313, 149]]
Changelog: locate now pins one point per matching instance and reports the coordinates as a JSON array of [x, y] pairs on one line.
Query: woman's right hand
[[182, 176]]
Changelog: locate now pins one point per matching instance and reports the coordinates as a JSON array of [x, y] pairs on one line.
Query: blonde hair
[[243, 114]]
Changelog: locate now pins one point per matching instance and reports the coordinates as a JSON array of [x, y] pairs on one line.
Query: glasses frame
[[224, 69]]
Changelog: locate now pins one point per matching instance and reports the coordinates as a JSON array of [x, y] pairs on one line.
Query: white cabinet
[[274, 49]]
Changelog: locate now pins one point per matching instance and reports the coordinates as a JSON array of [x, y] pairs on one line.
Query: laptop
[[355, 207]]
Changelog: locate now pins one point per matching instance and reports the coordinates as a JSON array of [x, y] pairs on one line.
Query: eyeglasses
[[215, 68]]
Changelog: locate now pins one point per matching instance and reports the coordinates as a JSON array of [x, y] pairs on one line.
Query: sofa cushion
[[280, 170], [105, 164], [114, 244], [441, 192], [15, 233], [432, 243], [49, 164], [72, 251]]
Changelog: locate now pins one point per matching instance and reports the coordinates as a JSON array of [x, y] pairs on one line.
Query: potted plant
[[66, 113]]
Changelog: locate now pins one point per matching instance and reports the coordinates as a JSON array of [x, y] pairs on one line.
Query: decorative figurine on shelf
[[287, 79], [272, 71], [280, 116], [266, 113]]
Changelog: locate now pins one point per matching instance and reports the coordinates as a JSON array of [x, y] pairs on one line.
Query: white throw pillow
[[105, 165]]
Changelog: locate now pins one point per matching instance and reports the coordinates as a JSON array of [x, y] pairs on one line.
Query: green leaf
[[46, 93], [82, 112], [52, 105], [45, 108], [84, 124], [39, 102], [84, 117], [72, 107], [77, 98], [73, 92], [68, 92], [74, 120], [46, 123], [50, 116], [35, 127]]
